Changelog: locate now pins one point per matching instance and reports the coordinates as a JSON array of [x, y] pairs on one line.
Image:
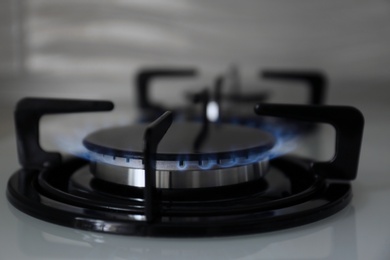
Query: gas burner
[[232, 102], [147, 195], [191, 155]]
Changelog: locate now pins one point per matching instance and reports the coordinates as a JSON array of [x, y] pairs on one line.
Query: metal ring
[[180, 179]]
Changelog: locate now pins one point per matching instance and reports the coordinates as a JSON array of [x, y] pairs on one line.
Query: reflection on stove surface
[[332, 238]]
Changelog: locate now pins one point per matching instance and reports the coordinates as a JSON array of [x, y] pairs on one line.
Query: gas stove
[[187, 178], [225, 98], [354, 232]]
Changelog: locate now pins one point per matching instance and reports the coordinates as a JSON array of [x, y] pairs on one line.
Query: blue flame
[[209, 163], [286, 137], [286, 140], [67, 136], [68, 139]]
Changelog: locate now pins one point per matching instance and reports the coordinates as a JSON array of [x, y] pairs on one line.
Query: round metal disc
[[181, 179], [222, 143]]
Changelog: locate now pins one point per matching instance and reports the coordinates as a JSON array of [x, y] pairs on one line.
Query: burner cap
[[183, 143]]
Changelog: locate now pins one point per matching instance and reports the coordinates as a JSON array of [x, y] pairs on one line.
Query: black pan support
[[315, 80], [348, 123], [202, 98], [27, 115], [145, 77], [152, 137]]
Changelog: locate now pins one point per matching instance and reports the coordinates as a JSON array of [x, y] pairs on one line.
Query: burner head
[[295, 192], [187, 157], [221, 146]]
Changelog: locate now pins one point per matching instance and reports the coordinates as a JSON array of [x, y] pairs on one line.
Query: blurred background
[[93, 48]]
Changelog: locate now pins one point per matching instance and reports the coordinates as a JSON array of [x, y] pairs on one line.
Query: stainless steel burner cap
[[228, 154]]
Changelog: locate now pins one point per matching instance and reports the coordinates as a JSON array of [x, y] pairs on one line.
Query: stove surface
[[360, 231], [88, 54]]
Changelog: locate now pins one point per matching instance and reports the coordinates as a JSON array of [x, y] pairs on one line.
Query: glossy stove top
[[360, 231]]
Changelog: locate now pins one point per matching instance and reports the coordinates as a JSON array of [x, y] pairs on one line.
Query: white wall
[[92, 47]]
